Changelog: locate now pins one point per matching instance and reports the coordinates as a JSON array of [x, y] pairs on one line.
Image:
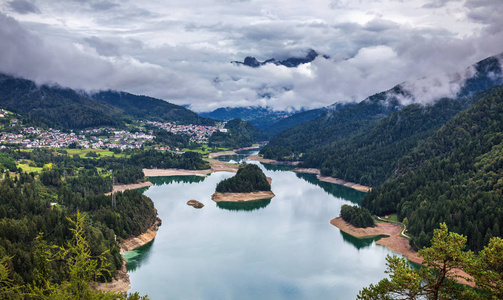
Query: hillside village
[[105, 137]]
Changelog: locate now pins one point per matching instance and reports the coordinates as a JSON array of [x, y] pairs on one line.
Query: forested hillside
[[352, 120], [64, 108], [55, 106], [293, 120], [239, 134], [260, 117], [26, 211], [331, 126], [369, 157], [143, 107], [455, 177]]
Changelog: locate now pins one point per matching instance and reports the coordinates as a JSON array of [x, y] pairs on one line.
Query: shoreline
[[241, 197], [353, 185], [231, 152], [393, 241], [130, 186], [356, 186], [122, 284], [272, 161], [175, 172]]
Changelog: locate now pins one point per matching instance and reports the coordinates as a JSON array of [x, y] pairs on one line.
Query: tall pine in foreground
[[443, 261]]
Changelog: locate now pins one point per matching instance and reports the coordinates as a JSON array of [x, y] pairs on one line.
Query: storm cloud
[[181, 51]]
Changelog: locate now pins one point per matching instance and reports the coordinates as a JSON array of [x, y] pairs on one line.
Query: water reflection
[[176, 179], [360, 243], [138, 256], [273, 167], [238, 157], [241, 251], [334, 189], [244, 206], [233, 158]]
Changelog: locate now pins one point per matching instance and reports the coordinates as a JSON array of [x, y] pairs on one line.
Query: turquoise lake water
[[279, 248]]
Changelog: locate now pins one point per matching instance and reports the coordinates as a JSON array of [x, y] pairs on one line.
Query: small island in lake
[[249, 184], [195, 203]]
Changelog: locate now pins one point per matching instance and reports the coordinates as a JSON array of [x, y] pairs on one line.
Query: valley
[[99, 161]]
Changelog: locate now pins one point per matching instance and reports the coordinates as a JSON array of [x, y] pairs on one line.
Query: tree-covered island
[[249, 183]]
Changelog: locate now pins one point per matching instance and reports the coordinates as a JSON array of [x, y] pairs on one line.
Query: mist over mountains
[[334, 125], [291, 62]]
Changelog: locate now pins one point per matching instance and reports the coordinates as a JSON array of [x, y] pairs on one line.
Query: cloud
[[181, 51], [23, 7], [438, 3]]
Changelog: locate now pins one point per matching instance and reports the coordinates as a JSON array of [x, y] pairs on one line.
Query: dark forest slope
[[143, 107], [55, 106], [455, 177], [69, 109]]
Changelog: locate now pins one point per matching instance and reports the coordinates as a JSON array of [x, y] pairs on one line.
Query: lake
[[279, 248]]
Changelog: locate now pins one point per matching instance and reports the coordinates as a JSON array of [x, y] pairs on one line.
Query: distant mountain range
[[66, 108], [348, 121], [272, 122], [291, 62], [259, 116]]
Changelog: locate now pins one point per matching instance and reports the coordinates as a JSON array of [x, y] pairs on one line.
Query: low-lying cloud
[[182, 53]]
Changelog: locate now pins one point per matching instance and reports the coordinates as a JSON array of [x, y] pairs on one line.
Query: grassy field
[[205, 150], [82, 152], [27, 168], [391, 218]]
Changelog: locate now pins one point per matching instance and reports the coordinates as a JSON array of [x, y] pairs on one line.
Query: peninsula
[[249, 184]]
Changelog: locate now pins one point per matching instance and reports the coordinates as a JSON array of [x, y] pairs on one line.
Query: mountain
[[55, 106], [369, 157], [272, 122], [291, 62], [336, 123], [349, 121], [144, 107], [239, 134], [455, 176], [260, 117], [60, 107], [293, 120]]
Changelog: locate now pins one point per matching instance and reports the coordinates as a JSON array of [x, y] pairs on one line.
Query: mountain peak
[[291, 62]]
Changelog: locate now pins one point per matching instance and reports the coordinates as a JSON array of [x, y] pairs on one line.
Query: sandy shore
[[356, 186], [272, 161], [131, 186], [215, 166], [307, 170], [217, 154], [221, 166], [175, 172], [232, 152], [394, 241], [143, 239], [241, 197]]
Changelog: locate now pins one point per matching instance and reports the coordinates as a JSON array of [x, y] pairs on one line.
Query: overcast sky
[[181, 51]]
